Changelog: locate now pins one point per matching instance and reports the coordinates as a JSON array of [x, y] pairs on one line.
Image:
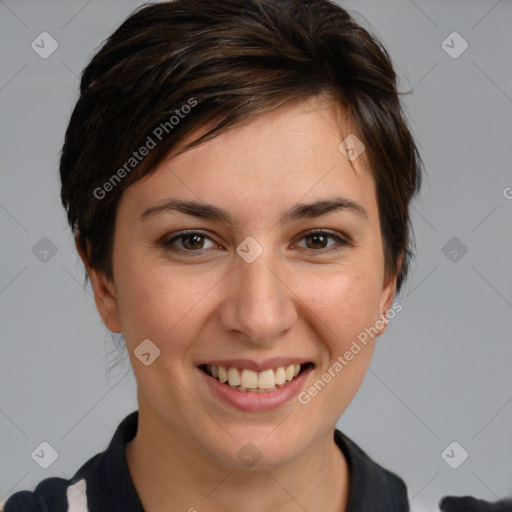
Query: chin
[[255, 448]]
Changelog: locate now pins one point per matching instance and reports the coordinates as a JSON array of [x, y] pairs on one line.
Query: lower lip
[[255, 401]]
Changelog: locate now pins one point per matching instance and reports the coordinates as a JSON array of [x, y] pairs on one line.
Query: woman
[[237, 176]]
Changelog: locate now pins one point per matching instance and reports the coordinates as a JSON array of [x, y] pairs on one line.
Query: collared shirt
[[103, 483]]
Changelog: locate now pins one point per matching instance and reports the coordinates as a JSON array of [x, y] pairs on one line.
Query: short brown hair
[[230, 60]]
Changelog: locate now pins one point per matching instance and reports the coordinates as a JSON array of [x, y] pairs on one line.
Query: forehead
[[277, 158]]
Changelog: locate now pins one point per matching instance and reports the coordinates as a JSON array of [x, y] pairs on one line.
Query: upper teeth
[[249, 379]]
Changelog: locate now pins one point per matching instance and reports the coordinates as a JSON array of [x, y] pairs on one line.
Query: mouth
[[250, 381]]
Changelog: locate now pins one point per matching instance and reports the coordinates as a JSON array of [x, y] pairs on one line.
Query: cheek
[[161, 304], [344, 303], [344, 310]]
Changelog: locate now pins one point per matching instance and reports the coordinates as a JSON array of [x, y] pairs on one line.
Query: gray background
[[441, 373]]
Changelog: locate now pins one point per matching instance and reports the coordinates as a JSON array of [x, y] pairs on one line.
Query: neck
[[169, 474]]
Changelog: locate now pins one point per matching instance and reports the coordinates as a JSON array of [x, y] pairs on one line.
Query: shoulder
[[376, 489], [52, 494], [102, 484], [372, 487], [470, 504]]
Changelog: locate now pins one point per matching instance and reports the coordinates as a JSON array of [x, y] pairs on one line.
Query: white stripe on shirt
[[77, 498]]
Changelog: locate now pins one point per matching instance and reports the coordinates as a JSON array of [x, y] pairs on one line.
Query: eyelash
[[168, 243]]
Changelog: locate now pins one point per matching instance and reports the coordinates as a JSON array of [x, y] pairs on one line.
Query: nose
[[259, 304]]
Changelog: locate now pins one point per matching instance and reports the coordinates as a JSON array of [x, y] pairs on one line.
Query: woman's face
[[250, 286]]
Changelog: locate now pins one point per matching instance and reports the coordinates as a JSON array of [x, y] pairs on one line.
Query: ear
[[104, 291], [386, 299]]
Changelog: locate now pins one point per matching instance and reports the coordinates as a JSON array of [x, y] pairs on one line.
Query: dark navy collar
[[372, 488], [109, 487]]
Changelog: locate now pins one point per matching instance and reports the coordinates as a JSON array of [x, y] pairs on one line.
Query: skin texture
[[292, 301]]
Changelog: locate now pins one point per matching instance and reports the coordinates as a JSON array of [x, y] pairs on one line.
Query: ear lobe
[[104, 291]]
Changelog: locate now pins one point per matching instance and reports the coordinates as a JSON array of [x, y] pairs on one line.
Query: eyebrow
[[298, 212]]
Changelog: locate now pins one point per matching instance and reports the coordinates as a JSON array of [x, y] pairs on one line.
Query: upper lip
[[256, 366]]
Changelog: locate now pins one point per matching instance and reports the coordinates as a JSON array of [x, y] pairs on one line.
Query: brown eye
[[188, 242], [318, 241], [192, 242]]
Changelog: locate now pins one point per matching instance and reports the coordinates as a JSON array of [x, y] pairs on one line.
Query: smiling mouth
[[250, 381]]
